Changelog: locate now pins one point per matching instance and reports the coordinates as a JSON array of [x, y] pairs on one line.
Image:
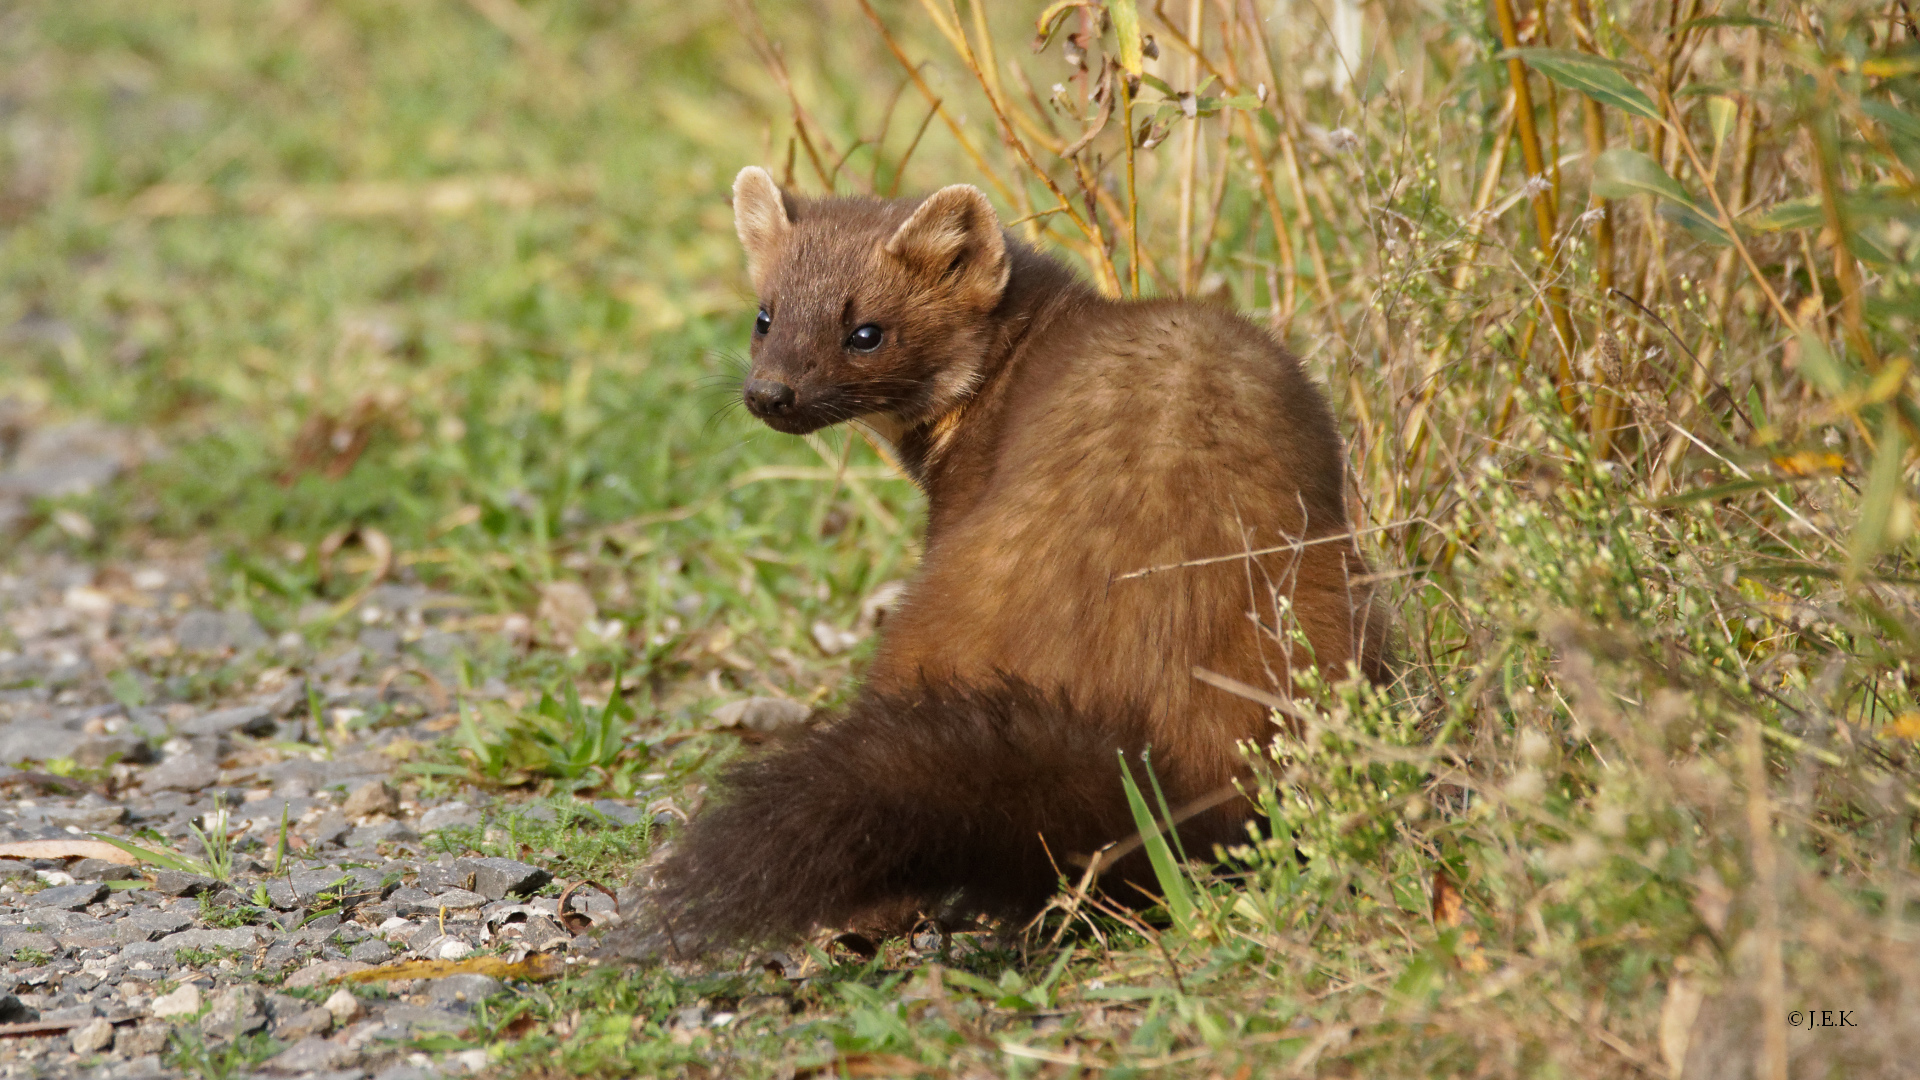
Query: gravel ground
[[121, 971]]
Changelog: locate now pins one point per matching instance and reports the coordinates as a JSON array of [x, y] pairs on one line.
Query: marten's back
[[1133, 436]]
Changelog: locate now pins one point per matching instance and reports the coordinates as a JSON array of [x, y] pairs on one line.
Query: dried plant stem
[[933, 100], [989, 84], [1309, 228], [1203, 249], [802, 120], [1846, 271], [1284, 304], [1189, 157], [1230, 84], [1766, 869], [1415, 435], [1607, 403], [1094, 246], [1554, 294], [1726, 216], [1595, 125], [1133, 197], [1724, 269]]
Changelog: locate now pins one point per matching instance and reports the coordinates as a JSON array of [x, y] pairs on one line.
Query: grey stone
[[187, 772], [92, 1037], [410, 900], [99, 751], [498, 878], [307, 1023], [101, 870], [86, 817], [236, 1011], [361, 883], [69, 897], [461, 992], [318, 929], [332, 828], [372, 797], [11, 868], [28, 741], [143, 1067], [619, 813], [243, 939], [267, 814], [421, 1018], [148, 721], [341, 665], [155, 922], [381, 832], [446, 874], [449, 815], [403, 1071], [145, 1038], [396, 598], [371, 951], [278, 958], [244, 719], [381, 645], [425, 937], [321, 973], [98, 935], [15, 1011], [215, 631], [440, 646], [181, 883], [457, 900], [540, 934], [312, 1054], [67, 459]]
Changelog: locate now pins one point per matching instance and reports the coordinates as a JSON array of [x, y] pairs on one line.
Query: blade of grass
[[1166, 870]]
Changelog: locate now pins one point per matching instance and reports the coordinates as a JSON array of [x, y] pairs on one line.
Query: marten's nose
[[766, 397]]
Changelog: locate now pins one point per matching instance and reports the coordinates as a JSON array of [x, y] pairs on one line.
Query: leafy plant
[[559, 741], [190, 1052], [229, 916]]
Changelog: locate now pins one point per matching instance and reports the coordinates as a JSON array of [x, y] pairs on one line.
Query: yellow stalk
[[1543, 203]]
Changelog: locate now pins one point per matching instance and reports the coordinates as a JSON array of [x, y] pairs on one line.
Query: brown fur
[[1063, 440]]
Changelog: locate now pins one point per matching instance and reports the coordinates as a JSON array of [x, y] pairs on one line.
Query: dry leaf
[[534, 969], [566, 607], [66, 849], [1809, 463], [1446, 898]]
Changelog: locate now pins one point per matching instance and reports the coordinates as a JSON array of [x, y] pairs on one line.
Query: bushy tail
[[937, 799]]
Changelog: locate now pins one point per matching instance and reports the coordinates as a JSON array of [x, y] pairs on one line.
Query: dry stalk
[[1309, 226], [1189, 159], [1766, 870], [1133, 196], [1542, 192], [1415, 435]]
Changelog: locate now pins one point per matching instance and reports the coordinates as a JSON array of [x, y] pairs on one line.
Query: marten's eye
[[865, 338], [762, 322]]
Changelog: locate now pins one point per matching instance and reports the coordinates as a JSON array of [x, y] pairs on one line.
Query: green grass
[[1647, 779], [574, 841]]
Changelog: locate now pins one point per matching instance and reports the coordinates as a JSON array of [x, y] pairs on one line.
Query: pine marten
[[1063, 441]]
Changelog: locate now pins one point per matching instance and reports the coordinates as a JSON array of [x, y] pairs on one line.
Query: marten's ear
[[954, 237], [760, 217]]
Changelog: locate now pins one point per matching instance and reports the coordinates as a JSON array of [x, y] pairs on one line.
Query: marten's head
[[868, 307]]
